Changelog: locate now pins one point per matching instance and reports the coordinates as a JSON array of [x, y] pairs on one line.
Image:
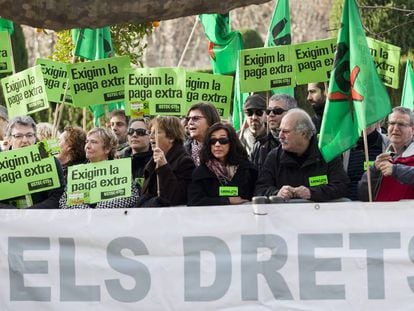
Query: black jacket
[[262, 148], [284, 168], [138, 161], [204, 188], [174, 178]]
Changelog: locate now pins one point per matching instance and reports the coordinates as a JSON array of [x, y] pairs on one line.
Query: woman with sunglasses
[[101, 144], [200, 117], [225, 175], [139, 148]]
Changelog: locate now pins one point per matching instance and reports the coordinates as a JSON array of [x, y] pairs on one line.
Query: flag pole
[[60, 106], [156, 165], [188, 42], [364, 135]]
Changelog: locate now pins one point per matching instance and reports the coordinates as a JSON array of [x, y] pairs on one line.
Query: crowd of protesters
[[201, 160]]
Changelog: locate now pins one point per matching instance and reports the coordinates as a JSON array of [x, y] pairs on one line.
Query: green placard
[[101, 181], [49, 147], [264, 69], [24, 171], [314, 60], [98, 82], [318, 180], [162, 89], [25, 92], [215, 89], [55, 75], [387, 61], [228, 191], [6, 63]]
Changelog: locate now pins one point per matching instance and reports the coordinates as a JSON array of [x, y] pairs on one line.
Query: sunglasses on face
[[221, 141], [138, 132], [251, 112], [275, 111]]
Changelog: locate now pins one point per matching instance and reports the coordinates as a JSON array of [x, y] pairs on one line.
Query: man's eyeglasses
[[138, 132], [194, 118], [276, 111], [399, 124], [221, 141], [20, 136], [251, 112]]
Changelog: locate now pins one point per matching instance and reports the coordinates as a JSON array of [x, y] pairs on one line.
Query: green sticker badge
[[318, 180], [24, 171], [264, 69], [96, 182], [25, 92], [228, 191], [98, 82], [215, 89], [6, 63], [163, 88]]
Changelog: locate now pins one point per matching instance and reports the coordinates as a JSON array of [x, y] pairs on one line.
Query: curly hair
[[236, 154], [75, 139]]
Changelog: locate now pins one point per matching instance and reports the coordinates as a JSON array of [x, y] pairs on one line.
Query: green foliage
[[128, 39], [251, 39], [63, 47]]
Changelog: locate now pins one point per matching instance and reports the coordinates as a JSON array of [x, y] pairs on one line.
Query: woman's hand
[[159, 157]]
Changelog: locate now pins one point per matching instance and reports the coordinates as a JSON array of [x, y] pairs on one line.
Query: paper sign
[[101, 181], [215, 89], [55, 75], [98, 82], [25, 92], [24, 171], [163, 89], [264, 69], [387, 61], [6, 63], [314, 60]]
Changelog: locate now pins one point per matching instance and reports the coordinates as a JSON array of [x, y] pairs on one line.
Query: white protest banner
[[331, 256]]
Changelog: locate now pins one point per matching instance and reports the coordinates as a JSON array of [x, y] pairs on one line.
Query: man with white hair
[[393, 173], [296, 169]]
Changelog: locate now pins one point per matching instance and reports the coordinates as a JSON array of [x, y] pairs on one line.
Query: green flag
[[93, 44], [279, 29], [357, 98], [407, 99], [6, 25], [279, 34], [238, 101], [224, 43]]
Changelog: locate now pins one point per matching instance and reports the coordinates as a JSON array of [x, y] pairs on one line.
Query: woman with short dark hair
[[225, 175], [168, 173], [199, 118]]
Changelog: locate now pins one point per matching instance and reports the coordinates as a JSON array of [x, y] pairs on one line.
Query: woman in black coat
[[225, 175]]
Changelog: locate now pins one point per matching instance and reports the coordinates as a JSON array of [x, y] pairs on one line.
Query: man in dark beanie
[[254, 128]]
